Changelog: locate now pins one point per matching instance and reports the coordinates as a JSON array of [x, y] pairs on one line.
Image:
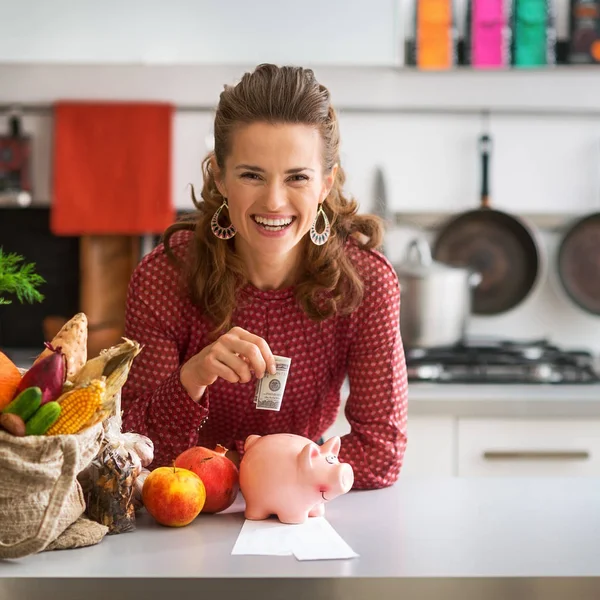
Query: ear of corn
[[82, 407]]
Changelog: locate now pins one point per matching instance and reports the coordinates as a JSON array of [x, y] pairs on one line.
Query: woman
[[277, 262]]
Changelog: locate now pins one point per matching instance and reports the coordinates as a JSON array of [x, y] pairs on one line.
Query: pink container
[[291, 477], [488, 33]]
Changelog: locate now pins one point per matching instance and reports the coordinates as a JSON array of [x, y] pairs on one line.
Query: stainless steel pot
[[436, 298]]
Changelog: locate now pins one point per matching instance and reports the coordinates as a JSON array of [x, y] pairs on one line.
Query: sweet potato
[[13, 424], [72, 339]]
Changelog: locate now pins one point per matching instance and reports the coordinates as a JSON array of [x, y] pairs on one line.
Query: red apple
[[220, 476], [173, 496]]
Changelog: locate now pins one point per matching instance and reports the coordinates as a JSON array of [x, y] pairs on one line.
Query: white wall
[[541, 164], [199, 31], [350, 32]]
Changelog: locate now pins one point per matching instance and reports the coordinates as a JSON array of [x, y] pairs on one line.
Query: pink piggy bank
[[291, 477]]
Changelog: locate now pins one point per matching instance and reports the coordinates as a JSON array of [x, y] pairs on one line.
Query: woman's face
[[274, 182]]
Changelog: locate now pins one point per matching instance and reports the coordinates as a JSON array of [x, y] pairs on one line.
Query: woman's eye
[[250, 176], [299, 178]]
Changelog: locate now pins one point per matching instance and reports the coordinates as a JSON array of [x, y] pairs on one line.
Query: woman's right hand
[[233, 357]]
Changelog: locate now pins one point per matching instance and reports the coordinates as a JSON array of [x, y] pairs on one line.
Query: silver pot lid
[[418, 262]]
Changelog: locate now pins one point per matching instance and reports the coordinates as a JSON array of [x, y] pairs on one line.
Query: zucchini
[[43, 419], [26, 403]]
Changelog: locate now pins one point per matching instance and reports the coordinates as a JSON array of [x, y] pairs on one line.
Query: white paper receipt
[[314, 539], [269, 389]]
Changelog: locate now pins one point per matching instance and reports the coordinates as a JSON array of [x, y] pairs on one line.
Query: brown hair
[[329, 283]]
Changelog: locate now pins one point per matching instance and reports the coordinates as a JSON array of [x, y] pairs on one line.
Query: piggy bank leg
[[318, 510], [293, 518], [256, 512]]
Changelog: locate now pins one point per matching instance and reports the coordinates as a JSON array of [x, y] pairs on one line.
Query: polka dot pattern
[[364, 346]]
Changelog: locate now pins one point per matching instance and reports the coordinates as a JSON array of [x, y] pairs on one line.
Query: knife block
[[107, 263]]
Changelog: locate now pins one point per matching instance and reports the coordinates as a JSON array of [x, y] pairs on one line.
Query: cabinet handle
[[536, 455]]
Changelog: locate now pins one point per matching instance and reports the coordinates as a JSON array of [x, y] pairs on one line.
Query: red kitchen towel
[[112, 168]]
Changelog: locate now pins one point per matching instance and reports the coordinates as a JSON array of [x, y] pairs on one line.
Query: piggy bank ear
[[250, 440], [307, 455], [331, 446]]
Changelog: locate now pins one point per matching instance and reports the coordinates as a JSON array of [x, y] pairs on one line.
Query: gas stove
[[501, 361]]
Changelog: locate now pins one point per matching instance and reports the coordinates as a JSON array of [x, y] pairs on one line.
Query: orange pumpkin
[[10, 377]]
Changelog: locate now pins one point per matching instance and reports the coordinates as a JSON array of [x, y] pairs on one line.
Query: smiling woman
[[276, 261]]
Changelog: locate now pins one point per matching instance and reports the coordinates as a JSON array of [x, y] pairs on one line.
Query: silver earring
[[320, 238], [223, 233]]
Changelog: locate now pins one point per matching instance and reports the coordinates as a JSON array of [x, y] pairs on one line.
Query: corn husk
[[113, 363]]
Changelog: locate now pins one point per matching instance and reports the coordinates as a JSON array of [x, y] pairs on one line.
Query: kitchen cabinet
[[431, 448], [528, 447], [337, 32]]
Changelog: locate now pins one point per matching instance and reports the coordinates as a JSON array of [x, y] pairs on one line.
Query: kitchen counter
[[452, 538]]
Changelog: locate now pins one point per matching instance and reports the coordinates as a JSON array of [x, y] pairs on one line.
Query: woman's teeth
[[273, 224]]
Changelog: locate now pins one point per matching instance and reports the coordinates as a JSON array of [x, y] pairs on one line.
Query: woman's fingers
[[254, 348], [224, 359], [234, 356], [224, 372]]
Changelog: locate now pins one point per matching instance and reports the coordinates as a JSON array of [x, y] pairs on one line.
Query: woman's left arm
[[377, 406]]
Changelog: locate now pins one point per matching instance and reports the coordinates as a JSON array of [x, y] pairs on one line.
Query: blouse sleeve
[[154, 401], [377, 405]]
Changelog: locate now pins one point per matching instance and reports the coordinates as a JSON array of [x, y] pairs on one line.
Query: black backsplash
[[26, 231]]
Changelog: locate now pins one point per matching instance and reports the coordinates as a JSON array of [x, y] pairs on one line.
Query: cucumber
[[43, 419], [26, 403]]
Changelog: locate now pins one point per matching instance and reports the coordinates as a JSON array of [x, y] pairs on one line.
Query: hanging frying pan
[[579, 263], [502, 248]]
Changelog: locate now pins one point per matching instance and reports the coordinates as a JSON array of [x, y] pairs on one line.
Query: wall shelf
[[569, 91], [432, 221]]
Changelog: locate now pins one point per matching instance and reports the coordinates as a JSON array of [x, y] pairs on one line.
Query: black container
[[584, 32]]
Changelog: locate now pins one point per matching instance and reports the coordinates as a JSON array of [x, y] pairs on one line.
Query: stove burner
[[501, 361]]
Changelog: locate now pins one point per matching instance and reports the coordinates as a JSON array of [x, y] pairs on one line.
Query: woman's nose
[[275, 197]]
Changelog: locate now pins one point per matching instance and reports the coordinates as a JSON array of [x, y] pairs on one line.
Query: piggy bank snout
[[346, 476]]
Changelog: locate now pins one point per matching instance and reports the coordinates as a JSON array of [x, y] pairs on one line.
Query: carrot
[[72, 338], [10, 377]]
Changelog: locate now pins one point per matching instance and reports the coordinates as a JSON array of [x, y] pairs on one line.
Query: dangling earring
[[320, 238], [223, 233]]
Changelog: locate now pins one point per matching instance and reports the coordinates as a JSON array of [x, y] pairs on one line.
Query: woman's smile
[[271, 225]]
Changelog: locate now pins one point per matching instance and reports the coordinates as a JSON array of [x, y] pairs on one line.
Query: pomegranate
[[220, 476]]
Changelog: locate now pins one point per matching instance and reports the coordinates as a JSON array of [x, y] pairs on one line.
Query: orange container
[[434, 34]]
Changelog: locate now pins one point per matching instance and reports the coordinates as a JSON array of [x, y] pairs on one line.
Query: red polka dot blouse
[[365, 347]]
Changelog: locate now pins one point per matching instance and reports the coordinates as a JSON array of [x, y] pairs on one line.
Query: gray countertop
[[487, 528]]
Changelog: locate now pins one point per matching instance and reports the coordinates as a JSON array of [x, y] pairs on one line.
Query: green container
[[534, 36]]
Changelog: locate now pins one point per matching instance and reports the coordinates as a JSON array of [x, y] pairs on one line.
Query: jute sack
[[40, 496]]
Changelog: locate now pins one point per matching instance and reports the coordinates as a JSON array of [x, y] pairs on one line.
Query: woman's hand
[[233, 357]]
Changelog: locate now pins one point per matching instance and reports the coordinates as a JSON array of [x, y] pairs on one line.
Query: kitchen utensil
[[436, 298], [503, 248], [579, 262], [382, 208]]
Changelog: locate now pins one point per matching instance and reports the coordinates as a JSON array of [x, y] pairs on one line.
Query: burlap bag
[[40, 496]]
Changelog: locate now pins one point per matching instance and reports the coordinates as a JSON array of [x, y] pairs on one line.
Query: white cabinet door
[[528, 447], [431, 448], [316, 32]]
